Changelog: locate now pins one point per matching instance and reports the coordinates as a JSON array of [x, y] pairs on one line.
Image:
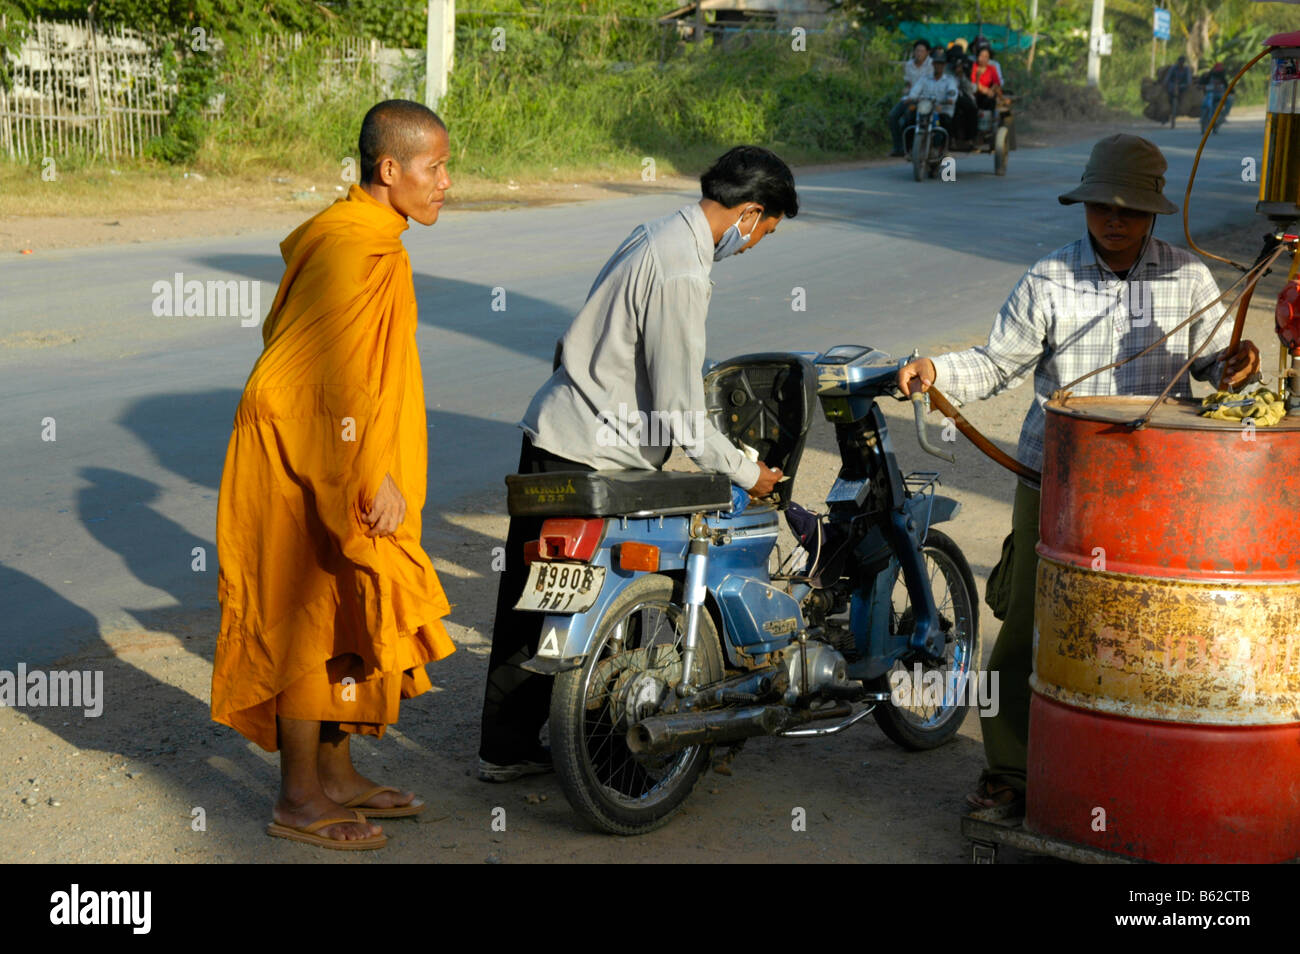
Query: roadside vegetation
[[544, 91]]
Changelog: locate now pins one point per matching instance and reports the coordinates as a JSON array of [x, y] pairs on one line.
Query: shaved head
[[397, 128]]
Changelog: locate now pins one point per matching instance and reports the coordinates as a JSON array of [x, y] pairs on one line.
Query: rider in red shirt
[[987, 78]]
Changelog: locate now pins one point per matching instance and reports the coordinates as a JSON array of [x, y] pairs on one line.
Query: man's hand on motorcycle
[[914, 375], [768, 478]]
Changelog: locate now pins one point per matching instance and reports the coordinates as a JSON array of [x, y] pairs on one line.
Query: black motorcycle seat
[[615, 493]]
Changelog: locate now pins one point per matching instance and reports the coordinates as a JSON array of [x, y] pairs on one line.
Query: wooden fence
[[104, 90], [100, 90]]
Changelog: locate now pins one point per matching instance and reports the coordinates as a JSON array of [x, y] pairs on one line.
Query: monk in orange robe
[[330, 608]]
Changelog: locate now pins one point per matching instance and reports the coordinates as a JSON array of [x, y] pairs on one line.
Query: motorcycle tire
[[1001, 145], [959, 608], [609, 787], [919, 157]]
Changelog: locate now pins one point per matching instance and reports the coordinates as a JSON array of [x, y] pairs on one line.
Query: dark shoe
[[538, 762]]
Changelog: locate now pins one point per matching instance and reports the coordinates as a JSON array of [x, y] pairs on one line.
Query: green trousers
[[1006, 735]]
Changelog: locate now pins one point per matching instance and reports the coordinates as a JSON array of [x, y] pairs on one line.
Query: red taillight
[[530, 552], [637, 556], [569, 538]]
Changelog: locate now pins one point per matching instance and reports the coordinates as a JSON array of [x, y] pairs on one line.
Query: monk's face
[[418, 185]]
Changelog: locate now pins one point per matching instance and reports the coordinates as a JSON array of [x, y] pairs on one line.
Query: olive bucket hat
[[1127, 171]]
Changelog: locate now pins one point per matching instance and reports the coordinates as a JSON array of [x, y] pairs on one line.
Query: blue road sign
[[1160, 25]]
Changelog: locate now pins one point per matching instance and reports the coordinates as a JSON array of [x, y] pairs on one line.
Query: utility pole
[[1033, 32], [439, 54], [1153, 42], [1094, 42]]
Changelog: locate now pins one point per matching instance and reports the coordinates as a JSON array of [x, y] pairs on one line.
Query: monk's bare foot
[[345, 784], [299, 814]]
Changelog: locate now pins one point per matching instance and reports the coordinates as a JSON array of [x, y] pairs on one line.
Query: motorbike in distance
[[926, 140], [669, 634]]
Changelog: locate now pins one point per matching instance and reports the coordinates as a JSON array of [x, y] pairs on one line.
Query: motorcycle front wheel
[[1001, 140], [635, 660], [926, 723], [920, 154]]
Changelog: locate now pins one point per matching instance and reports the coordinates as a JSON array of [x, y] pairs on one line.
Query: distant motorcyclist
[[918, 65], [940, 87], [1215, 84], [1177, 78]]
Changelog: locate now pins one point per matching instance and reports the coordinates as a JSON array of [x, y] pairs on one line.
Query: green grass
[[600, 97], [534, 108]]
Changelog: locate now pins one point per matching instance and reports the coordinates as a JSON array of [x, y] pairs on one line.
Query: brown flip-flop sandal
[[396, 811], [307, 834], [992, 795]]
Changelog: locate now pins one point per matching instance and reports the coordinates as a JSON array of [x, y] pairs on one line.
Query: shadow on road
[[529, 326]]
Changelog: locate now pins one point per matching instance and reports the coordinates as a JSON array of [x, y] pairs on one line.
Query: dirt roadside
[[131, 208], [125, 787]]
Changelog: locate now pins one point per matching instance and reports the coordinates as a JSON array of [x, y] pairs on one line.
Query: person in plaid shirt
[[1098, 300]]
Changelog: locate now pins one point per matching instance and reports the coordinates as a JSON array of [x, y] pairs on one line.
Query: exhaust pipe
[[661, 734]]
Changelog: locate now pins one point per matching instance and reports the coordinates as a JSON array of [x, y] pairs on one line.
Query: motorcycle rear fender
[[566, 637]]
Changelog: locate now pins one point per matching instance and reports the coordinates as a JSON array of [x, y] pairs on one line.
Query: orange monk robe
[[319, 621]]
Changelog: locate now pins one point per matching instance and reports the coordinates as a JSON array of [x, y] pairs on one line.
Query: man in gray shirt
[[628, 384]]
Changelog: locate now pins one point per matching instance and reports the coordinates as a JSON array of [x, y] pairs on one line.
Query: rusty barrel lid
[[1170, 414]]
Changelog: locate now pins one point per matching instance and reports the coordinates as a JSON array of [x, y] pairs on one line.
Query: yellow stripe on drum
[[1167, 649]]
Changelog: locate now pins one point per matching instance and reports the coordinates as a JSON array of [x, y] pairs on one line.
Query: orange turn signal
[[638, 556], [531, 551]]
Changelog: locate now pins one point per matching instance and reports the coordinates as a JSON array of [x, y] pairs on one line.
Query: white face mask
[[732, 241]]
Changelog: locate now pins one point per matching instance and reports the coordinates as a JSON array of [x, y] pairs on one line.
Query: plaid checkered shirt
[[1070, 314]]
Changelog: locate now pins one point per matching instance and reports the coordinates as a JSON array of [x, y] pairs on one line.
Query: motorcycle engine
[[826, 666]]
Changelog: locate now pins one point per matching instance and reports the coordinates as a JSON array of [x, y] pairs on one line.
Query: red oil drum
[[1165, 715]]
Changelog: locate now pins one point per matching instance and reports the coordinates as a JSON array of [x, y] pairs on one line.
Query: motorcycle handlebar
[[918, 408]]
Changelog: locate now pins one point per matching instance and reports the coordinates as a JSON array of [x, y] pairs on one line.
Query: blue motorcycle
[[670, 633], [1213, 94]]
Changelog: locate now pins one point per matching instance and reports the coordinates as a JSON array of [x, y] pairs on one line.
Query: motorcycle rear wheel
[[609, 787], [925, 726]]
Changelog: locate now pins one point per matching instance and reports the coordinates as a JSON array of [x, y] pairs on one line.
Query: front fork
[[868, 453], [927, 636], [697, 565]]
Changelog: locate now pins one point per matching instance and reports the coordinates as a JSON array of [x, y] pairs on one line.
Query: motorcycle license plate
[[561, 587]]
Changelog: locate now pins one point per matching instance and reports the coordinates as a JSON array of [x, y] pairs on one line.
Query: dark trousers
[[516, 702], [898, 121], [965, 117], [1006, 735]]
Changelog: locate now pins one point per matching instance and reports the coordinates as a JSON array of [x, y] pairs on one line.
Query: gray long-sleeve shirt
[[630, 382]]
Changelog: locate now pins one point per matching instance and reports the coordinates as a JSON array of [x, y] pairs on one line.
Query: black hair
[[394, 128], [924, 43], [752, 174]]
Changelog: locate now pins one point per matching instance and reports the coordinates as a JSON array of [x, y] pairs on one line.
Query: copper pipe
[[986, 446], [1187, 196]]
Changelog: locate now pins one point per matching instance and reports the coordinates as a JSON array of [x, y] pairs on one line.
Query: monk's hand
[[387, 511], [1241, 365]]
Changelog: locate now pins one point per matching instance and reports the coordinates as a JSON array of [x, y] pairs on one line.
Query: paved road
[[100, 524]]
